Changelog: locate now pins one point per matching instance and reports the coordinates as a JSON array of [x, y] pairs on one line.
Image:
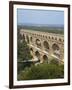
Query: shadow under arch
[[56, 50], [45, 59], [31, 39], [46, 46], [38, 43]]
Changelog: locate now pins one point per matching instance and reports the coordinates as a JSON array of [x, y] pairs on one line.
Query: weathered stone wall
[[45, 43]]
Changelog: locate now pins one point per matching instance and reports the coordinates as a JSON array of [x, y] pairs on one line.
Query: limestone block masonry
[[44, 45]]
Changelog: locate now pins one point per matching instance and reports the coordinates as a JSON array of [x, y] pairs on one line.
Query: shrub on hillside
[[54, 61], [42, 71]]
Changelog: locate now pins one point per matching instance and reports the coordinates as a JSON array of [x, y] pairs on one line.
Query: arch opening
[[38, 43], [37, 54], [56, 50], [52, 37], [46, 46], [55, 38], [31, 39], [60, 39], [45, 59], [31, 49]]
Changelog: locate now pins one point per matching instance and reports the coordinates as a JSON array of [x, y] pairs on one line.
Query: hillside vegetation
[[42, 71], [57, 30]]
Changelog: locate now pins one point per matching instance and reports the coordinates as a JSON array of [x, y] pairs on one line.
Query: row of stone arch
[[38, 43], [44, 58], [55, 47], [37, 54], [49, 37]]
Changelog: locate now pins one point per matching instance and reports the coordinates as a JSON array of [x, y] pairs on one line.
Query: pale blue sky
[[30, 16]]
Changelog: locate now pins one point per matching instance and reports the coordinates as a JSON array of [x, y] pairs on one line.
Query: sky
[[30, 16]]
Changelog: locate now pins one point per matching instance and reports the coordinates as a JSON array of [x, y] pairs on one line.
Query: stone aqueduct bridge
[[44, 45]]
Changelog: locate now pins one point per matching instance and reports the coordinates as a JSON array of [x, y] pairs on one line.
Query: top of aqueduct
[[43, 34]]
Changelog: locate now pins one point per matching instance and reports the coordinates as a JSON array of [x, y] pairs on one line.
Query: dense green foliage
[[22, 65], [23, 52], [42, 71]]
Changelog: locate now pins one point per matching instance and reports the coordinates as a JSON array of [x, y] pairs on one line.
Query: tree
[[23, 51]]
